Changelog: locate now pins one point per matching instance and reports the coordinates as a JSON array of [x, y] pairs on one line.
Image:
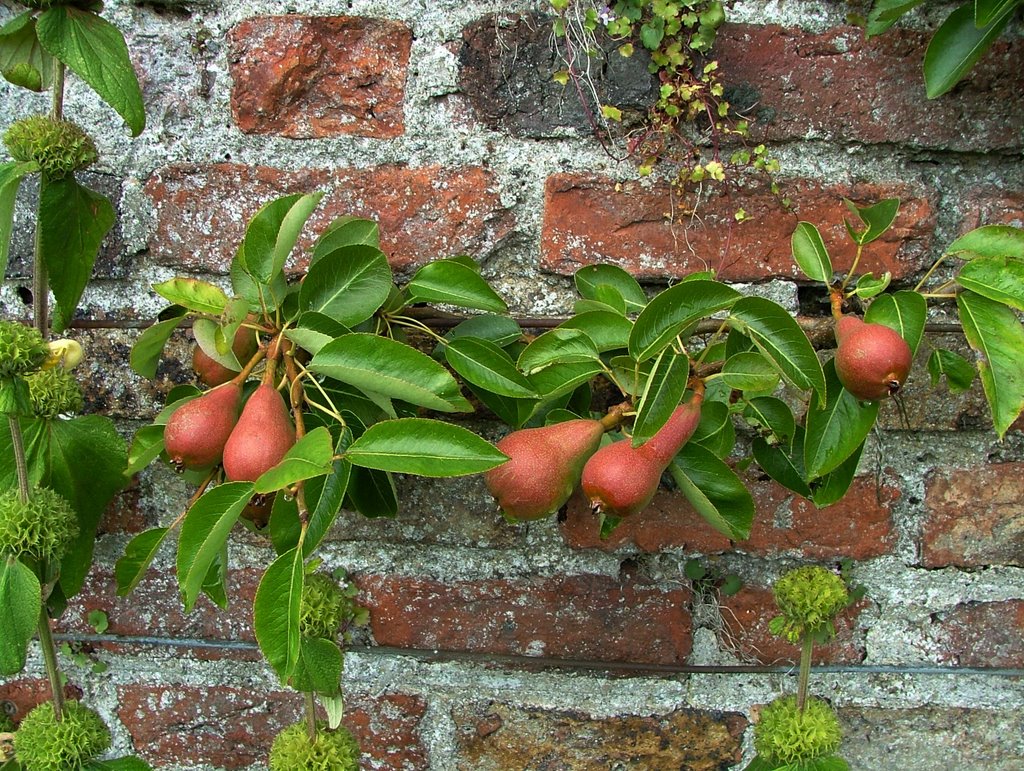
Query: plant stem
[[52, 667], [57, 108], [20, 461], [805, 672], [853, 267], [311, 716], [40, 286]]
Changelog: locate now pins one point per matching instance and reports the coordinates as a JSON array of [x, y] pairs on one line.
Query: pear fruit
[[197, 431], [544, 467], [872, 360], [212, 372], [262, 436], [621, 480]]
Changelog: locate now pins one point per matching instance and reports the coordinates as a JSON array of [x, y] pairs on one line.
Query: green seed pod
[[332, 751], [809, 598], [787, 736], [41, 743], [54, 392], [324, 607], [22, 349], [60, 147], [41, 529]]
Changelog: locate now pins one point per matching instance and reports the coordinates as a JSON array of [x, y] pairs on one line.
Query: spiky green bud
[[324, 607], [22, 349], [54, 392], [41, 529], [332, 751], [809, 599], [785, 735], [42, 743], [60, 147]]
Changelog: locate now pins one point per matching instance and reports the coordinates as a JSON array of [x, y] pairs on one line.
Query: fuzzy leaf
[[20, 603]]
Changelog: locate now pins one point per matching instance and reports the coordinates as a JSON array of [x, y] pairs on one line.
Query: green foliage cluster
[[40, 529], [43, 743], [328, 609], [53, 392], [331, 750], [786, 735], [809, 599], [22, 349], [57, 147]]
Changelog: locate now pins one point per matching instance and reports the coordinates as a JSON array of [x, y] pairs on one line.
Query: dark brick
[[982, 634]]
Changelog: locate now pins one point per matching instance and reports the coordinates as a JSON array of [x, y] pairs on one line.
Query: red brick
[[424, 213], [983, 634], [859, 526], [28, 692], [974, 517], [570, 617], [319, 76], [225, 727], [992, 206], [837, 86], [746, 615], [590, 219]]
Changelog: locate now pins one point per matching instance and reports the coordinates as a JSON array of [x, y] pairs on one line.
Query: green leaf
[[118, 764], [328, 493], [905, 311], [877, 218], [837, 430], [557, 346], [750, 371], [714, 490], [834, 485], [276, 612], [990, 241], [997, 278], [484, 364], [784, 463], [272, 233], [868, 286], [147, 444], [500, 330], [774, 415], [958, 371], [204, 533], [558, 379], [590, 278], [348, 284], [146, 353], [23, 61], [191, 293], [311, 456], [372, 493], [95, 50], [661, 395], [715, 430], [956, 46], [72, 222], [778, 336], [425, 447], [11, 175], [209, 336], [315, 330], [319, 667], [387, 367], [985, 11], [515, 412], [608, 330], [20, 603], [810, 253], [996, 334], [674, 309], [138, 555], [345, 231], [453, 283], [35, 436]]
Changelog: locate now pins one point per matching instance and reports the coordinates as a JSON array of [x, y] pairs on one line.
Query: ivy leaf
[[957, 45], [810, 253], [425, 447], [20, 603], [454, 283], [277, 611]]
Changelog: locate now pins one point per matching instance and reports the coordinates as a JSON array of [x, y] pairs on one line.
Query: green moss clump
[[60, 147], [809, 598], [41, 529], [54, 392], [332, 751], [41, 743], [22, 349], [324, 607], [788, 736]]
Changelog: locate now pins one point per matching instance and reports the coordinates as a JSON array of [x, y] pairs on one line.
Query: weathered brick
[[989, 205], [974, 517], [745, 619], [496, 737], [424, 213], [229, 728], [837, 86], [589, 219], [28, 692], [319, 76], [571, 617], [982, 634], [859, 526]]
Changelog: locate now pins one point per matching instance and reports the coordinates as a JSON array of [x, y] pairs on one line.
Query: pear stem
[[853, 267], [931, 270], [250, 365], [835, 296], [614, 416]]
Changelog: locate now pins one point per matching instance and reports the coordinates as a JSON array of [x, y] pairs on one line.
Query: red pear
[[543, 468], [197, 431], [872, 360], [621, 480], [262, 437], [213, 373]]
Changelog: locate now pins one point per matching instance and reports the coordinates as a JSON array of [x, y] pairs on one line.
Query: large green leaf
[[146, 353], [990, 241], [204, 533], [884, 14], [311, 456], [20, 604], [714, 490], [128, 763], [559, 379], [958, 371], [95, 50], [877, 219], [138, 555], [661, 395], [986, 11], [380, 365], [750, 371], [715, 430], [834, 432], [956, 46], [834, 485], [72, 223], [557, 346], [345, 231], [774, 415], [500, 330], [11, 175], [272, 233], [425, 447], [319, 667], [513, 411], [607, 330], [783, 463], [488, 366], [905, 311], [780, 338], [276, 612], [996, 334], [591, 278], [670, 312], [191, 293], [810, 253], [348, 284], [23, 61], [372, 493], [997, 278], [454, 283]]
